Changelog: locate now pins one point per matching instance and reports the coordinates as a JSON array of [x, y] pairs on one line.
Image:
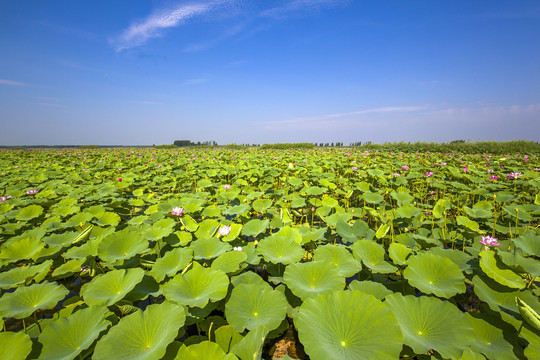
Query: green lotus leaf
[[206, 228], [15, 346], [247, 277], [429, 323], [280, 249], [329, 201], [237, 210], [252, 305], [518, 211], [520, 264], [313, 278], [382, 230], [489, 340], [173, 262], [213, 211], [532, 351], [64, 239], [67, 337], [529, 243], [348, 325], [334, 219], [500, 297], [191, 225], [192, 205], [440, 207], [107, 219], [460, 258], [89, 248], [399, 253], [22, 249], [229, 262], [255, 227], [338, 255], [111, 287], [371, 288], [476, 212], [372, 255], [209, 248], [402, 197], [197, 286], [261, 205], [24, 274], [155, 233], [251, 346], [290, 233], [121, 245], [65, 210], [350, 234], [312, 234], [465, 221], [28, 213], [528, 314], [503, 276], [25, 300], [468, 354], [143, 335], [313, 190], [227, 337], [434, 274], [407, 211], [235, 232], [70, 267], [372, 198], [205, 350], [298, 202]]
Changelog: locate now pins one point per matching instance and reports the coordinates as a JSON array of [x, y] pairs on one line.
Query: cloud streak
[[298, 6], [153, 26], [12, 83]]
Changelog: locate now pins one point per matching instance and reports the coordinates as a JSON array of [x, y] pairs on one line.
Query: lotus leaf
[[255, 227], [338, 255], [407, 211], [251, 346], [252, 305], [371, 288], [111, 287], [69, 267], [205, 350], [25, 300], [429, 323], [15, 346], [334, 219], [206, 228], [173, 262], [261, 205], [143, 334], [313, 278], [503, 276], [22, 249], [121, 245], [372, 255], [107, 219], [529, 243], [399, 253], [21, 275], [28, 213], [434, 274], [235, 232], [248, 277], [489, 340], [348, 325], [230, 261], [64, 239], [208, 248], [227, 337], [197, 286], [67, 337], [280, 249]]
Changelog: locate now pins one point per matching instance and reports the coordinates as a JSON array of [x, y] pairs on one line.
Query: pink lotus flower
[[493, 178], [354, 168], [404, 167], [490, 170], [226, 187], [238, 248], [120, 179], [396, 174], [488, 241], [513, 175], [224, 230], [4, 198], [32, 191], [428, 174], [465, 169], [177, 211]]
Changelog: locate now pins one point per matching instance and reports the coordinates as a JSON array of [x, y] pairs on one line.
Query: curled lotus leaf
[[498, 272], [251, 346], [111, 287], [143, 335], [205, 350], [121, 245], [67, 337], [197, 286], [338, 255], [348, 325], [253, 305], [15, 345], [173, 262], [429, 323], [313, 278], [372, 255], [371, 288], [399, 253], [20, 275], [25, 300], [434, 274]]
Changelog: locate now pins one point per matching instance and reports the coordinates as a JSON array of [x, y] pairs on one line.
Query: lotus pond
[[260, 254]]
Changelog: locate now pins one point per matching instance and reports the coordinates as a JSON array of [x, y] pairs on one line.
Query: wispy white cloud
[[140, 32], [300, 5], [12, 83]]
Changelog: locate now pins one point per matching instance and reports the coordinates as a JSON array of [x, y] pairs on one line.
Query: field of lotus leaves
[[258, 254]]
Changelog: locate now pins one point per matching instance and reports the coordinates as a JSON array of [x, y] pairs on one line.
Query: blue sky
[[150, 72]]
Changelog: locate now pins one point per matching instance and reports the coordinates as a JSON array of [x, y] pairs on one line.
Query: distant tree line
[[183, 143], [458, 146]]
